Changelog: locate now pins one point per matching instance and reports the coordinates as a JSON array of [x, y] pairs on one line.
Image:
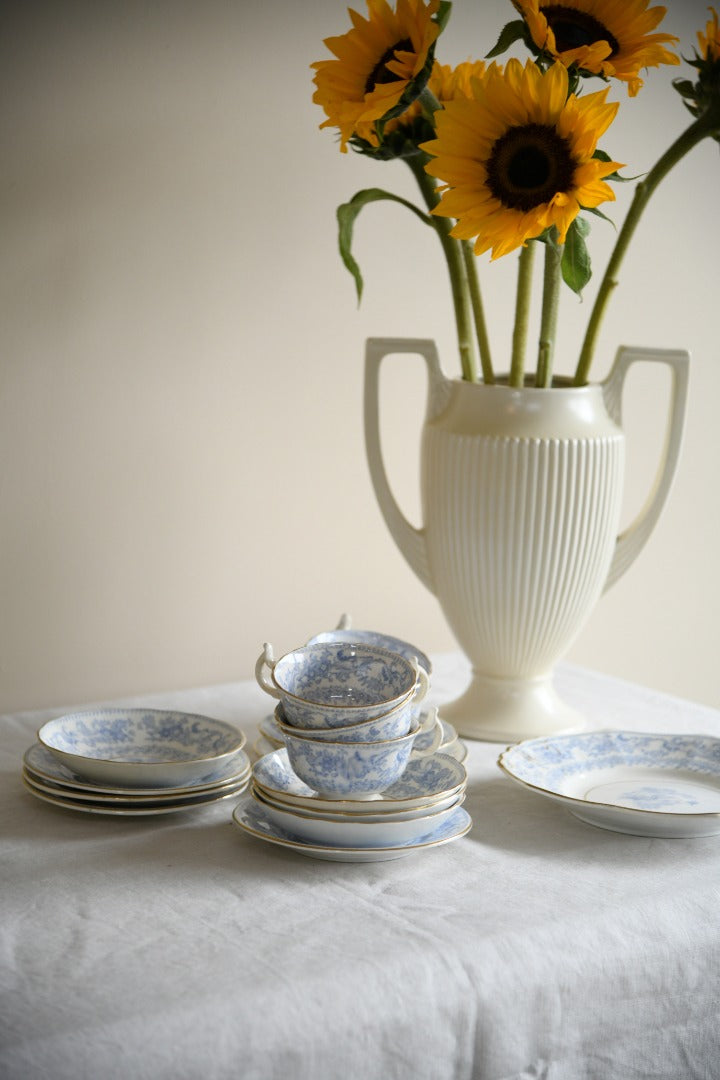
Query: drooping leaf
[[575, 265], [346, 215], [598, 213], [510, 33]]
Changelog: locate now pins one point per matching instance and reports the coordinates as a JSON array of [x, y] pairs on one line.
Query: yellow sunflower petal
[[709, 41]]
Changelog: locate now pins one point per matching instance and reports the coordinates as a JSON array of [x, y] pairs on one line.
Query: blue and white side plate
[[131, 807], [646, 785], [250, 818]]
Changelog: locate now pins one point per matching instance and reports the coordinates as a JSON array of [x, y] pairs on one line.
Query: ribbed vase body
[[520, 533]]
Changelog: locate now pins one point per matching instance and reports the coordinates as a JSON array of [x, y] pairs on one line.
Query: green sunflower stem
[[481, 331], [522, 312], [706, 125], [456, 268], [548, 324]]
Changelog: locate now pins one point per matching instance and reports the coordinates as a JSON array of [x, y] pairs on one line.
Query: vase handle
[[410, 540], [631, 542]]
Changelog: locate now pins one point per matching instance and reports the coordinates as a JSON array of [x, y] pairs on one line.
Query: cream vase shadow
[[521, 493]]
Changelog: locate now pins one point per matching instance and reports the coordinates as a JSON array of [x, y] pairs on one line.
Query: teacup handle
[[429, 720], [433, 722], [422, 682], [266, 659]]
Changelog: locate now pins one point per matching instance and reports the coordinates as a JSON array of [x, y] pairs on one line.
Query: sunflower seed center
[[573, 29], [380, 73], [528, 165]]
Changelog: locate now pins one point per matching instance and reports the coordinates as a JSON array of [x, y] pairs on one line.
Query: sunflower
[[380, 62], [709, 41], [611, 38], [517, 157]]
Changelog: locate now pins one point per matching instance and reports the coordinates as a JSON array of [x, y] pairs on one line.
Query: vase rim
[[559, 383]]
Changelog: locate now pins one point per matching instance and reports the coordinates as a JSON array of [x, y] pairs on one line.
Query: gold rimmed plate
[[130, 798], [42, 767], [248, 816], [133, 808]]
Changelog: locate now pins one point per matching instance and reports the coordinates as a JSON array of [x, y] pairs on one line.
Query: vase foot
[[509, 710]]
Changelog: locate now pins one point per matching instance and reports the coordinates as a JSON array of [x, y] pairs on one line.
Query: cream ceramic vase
[[521, 494]]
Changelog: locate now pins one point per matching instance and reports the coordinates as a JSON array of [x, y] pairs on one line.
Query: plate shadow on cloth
[[507, 816]]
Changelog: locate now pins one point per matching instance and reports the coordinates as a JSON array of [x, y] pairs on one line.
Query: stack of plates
[[422, 809], [271, 738], [135, 761]]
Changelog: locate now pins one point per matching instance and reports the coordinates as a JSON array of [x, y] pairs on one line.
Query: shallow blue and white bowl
[[340, 770], [141, 747], [331, 685]]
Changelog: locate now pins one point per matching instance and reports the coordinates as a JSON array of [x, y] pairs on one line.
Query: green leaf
[[598, 213], [581, 225], [575, 265], [684, 87], [549, 236], [510, 33], [346, 215]]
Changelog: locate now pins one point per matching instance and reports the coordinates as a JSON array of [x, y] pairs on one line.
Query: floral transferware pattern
[[648, 784], [140, 735]]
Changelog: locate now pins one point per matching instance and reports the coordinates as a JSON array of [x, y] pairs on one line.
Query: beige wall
[[183, 471]]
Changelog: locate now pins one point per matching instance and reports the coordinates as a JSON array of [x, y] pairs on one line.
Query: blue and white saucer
[[44, 767], [132, 806], [435, 779], [647, 785], [249, 817]]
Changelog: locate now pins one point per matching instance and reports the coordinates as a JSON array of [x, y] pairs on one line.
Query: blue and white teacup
[[336, 684], [342, 770], [392, 725]]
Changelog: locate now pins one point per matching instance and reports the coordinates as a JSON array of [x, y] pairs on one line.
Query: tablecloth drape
[[535, 947]]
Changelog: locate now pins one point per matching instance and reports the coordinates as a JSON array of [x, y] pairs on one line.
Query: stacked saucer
[[135, 762], [422, 809]]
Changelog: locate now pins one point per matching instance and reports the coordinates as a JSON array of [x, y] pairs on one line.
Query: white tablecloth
[[535, 947]]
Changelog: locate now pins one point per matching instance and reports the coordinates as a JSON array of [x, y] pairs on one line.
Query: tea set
[[354, 767]]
